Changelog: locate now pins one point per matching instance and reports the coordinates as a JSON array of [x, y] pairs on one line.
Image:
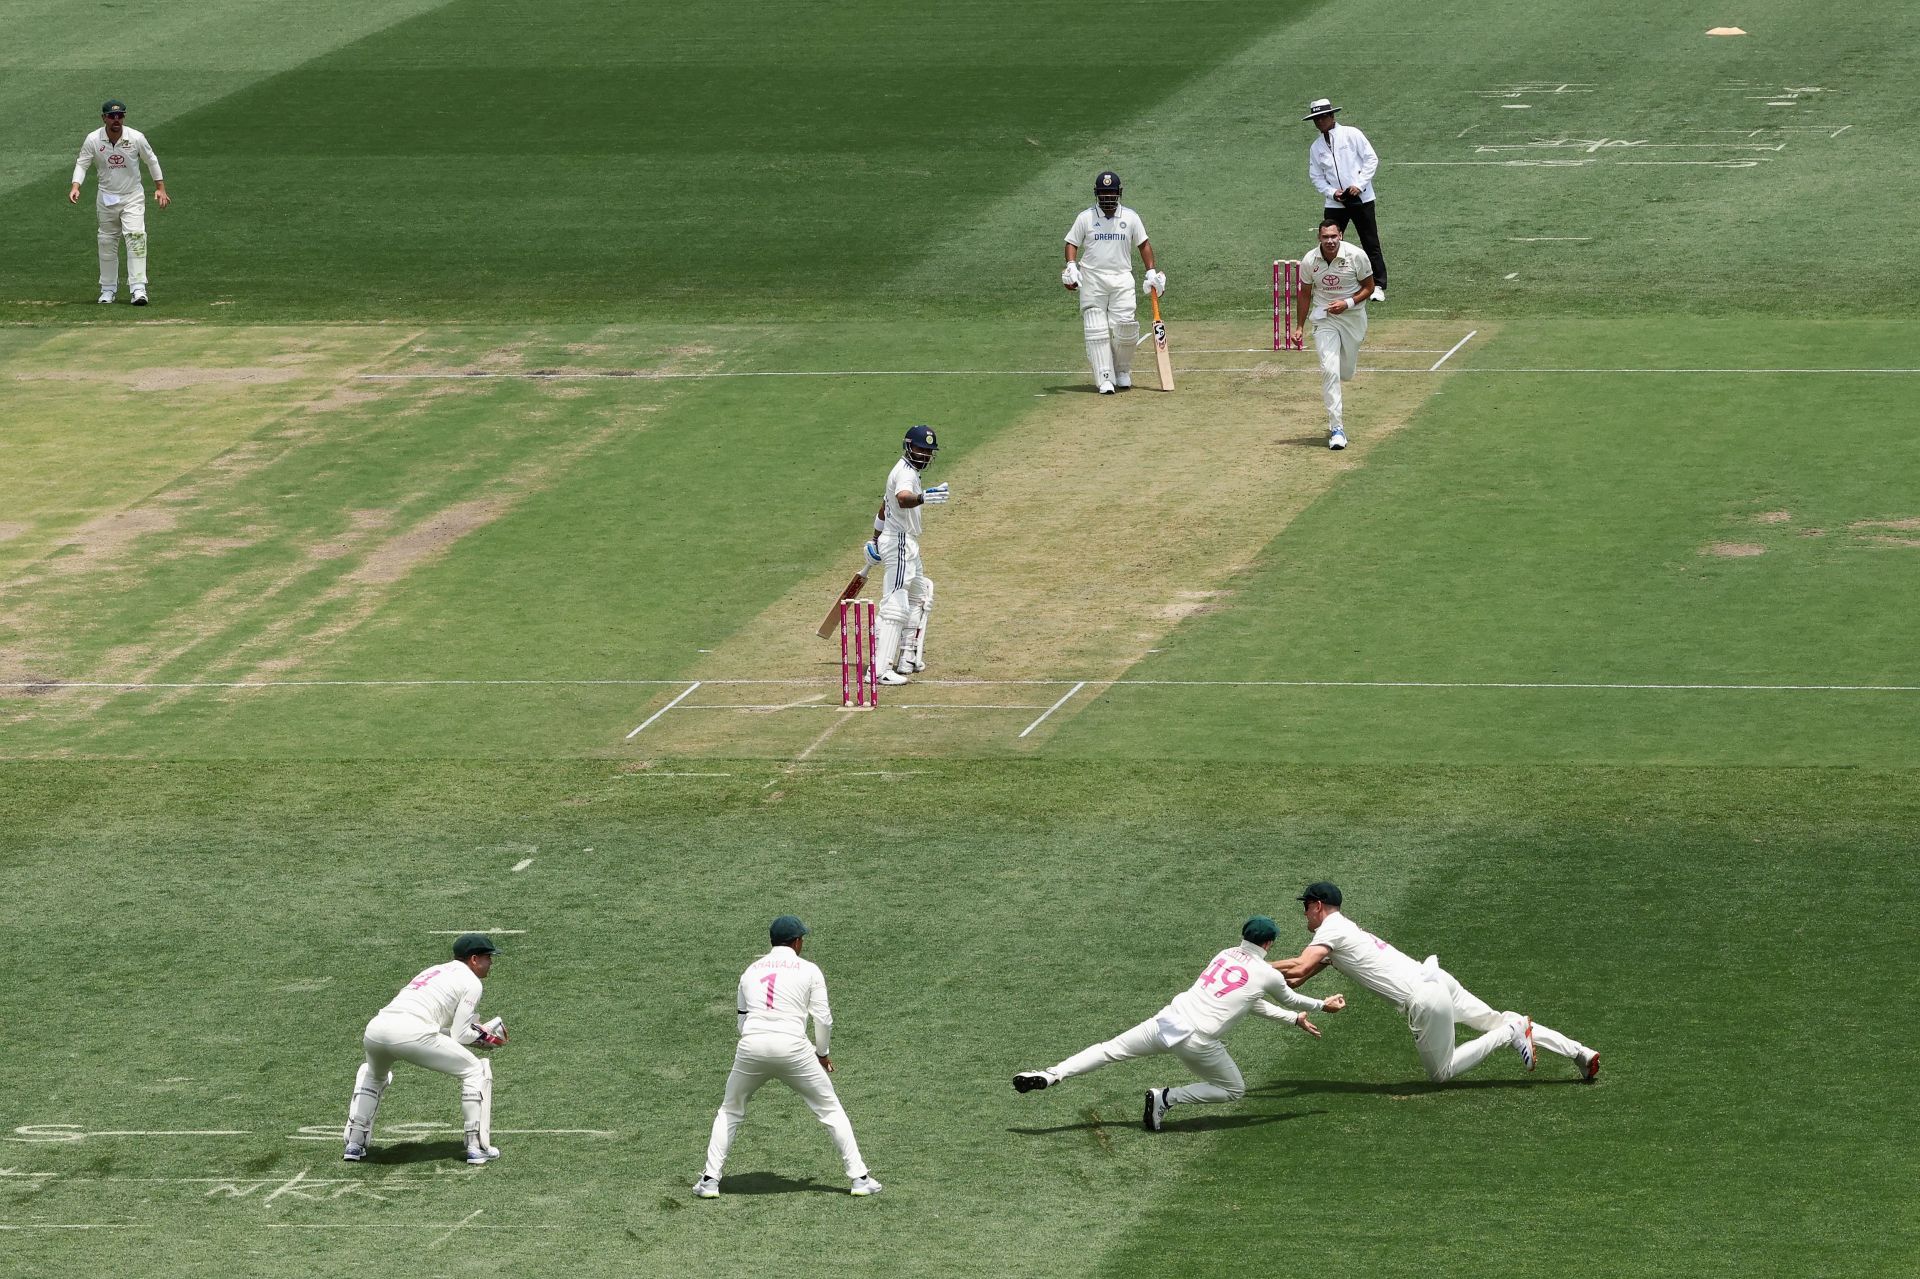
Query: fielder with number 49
[[430, 1023], [906, 592], [1232, 985], [1335, 282]]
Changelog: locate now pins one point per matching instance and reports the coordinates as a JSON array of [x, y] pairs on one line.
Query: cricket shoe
[[864, 1185], [1589, 1067], [106, 297], [1336, 439], [354, 1154], [1124, 381], [1106, 388], [1031, 1081], [482, 1154], [1379, 293], [892, 677], [139, 297], [707, 1188], [1154, 1116], [1523, 1039]]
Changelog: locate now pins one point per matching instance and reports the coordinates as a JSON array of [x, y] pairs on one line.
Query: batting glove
[[1071, 276], [935, 495], [873, 553], [1156, 282]]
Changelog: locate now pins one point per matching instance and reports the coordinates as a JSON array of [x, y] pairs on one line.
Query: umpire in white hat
[[1341, 163]]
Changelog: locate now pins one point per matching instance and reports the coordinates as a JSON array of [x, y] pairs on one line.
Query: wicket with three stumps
[[859, 681], [1286, 278]]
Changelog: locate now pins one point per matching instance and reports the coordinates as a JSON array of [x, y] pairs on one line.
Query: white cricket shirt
[[902, 521], [443, 996], [1107, 244], [117, 163], [778, 992], [1228, 988], [1348, 162], [1385, 971], [1337, 279]]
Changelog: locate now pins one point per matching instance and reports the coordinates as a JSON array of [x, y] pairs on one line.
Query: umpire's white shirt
[[1337, 279], [1387, 972], [901, 521], [1342, 158], [1228, 988], [1107, 244], [779, 992], [117, 163], [443, 996]]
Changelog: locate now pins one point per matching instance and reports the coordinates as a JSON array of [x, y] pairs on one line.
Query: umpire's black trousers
[[1361, 215]]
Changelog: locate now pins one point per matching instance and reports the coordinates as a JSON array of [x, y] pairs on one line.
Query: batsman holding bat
[[906, 593], [1099, 268], [430, 1023]]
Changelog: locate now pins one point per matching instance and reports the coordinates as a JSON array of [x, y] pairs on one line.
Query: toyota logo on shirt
[[116, 161]]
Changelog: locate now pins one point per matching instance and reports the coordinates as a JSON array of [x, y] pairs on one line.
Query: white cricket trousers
[[1220, 1079], [127, 218], [395, 1037], [1108, 321], [1442, 1003], [791, 1060], [1337, 339], [905, 596]]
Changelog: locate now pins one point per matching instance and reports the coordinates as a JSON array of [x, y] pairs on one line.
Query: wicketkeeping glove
[[1071, 276], [1155, 282], [491, 1033], [935, 495]]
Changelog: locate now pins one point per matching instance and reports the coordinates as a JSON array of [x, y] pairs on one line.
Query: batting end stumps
[[1286, 281], [859, 681]]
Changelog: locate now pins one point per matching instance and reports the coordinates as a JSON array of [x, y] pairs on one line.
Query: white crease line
[[1449, 355], [695, 377], [1051, 709], [464, 1221], [339, 683], [1568, 370], [136, 1225], [1468, 684], [33, 1133], [664, 709], [521, 865], [651, 773], [461, 932], [968, 706]]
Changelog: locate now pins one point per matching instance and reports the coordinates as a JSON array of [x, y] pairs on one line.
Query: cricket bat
[[833, 614], [1161, 360]]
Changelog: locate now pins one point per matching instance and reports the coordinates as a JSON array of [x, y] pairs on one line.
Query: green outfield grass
[[515, 375]]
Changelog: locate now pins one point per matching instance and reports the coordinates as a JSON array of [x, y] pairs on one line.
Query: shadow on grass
[[418, 1152], [771, 1183], [1200, 1123], [1305, 442], [1406, 1088]]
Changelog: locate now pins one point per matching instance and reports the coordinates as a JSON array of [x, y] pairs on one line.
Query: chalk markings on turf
[[663, 710], [521, 865], [1450, 351], [461, 932], [74, 1132], [131, 1225], [464, 1221], [1051, 709]]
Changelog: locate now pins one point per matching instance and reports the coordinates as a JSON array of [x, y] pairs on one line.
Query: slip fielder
[[1234, 983], [430, 1023], [116, 153], [1335, 281], [777, 994]]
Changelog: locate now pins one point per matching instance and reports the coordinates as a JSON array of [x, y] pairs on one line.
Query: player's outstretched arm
[[1302, 966]]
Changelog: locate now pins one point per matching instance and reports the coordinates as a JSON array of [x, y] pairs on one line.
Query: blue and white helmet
[[919, 447]]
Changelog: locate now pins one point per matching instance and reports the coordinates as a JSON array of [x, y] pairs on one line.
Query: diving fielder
[[1335, 281], [430, 1023], [1099, 268], [1433, 1000], [777, 994], [116, 153], [1232, 985], [906, 592]]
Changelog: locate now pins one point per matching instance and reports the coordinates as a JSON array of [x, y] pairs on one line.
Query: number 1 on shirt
[[768, 981]]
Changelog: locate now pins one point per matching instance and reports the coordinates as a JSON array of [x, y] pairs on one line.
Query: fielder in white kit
[[1335, 282], [1234, 983], [116, 153], [777, 994], [906, 592], [430, 1023], [1099, 268], [1433, 1000]]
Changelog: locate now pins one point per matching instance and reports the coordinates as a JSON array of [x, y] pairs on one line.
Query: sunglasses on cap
[[114, 115]]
